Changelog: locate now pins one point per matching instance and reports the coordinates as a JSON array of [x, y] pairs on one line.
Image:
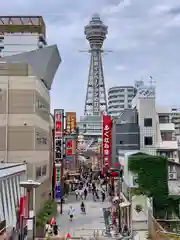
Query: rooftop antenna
[[151, 81]]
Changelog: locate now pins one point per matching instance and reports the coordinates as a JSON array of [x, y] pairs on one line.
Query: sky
[[143, 35]]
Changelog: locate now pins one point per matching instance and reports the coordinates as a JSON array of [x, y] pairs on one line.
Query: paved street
[[82, 225]]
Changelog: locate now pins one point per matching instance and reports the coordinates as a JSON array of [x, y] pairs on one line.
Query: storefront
[[13, 202]]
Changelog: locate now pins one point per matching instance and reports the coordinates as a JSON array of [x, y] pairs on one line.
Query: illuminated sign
[[96, 83], [107, 140], [59, 122], [69, 147], [70, 122]]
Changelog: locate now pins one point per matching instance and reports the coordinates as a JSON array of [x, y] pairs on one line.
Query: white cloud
[[116, 8], [121, 68], [144, 36]]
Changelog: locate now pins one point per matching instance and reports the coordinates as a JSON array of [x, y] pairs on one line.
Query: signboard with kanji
[[70, 122], [59, 122], [69, 147], [58, 175], [107, 140]]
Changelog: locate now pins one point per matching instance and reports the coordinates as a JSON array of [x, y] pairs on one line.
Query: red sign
[[107, 140], [59, 122], [69, 147]]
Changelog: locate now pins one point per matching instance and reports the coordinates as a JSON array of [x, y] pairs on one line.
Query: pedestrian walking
[[103, 196], [77, 193], [85, 193]]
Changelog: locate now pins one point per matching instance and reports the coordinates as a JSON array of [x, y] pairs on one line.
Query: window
[[148, 141], [166, 136], [40, 138], [148, 122], [120, 142], [44, 170], [38, 172]]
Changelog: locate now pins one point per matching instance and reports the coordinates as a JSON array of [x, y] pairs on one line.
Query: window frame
[[146, 123], [148, 137]]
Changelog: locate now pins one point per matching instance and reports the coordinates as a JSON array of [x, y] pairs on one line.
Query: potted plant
[[44, 215]]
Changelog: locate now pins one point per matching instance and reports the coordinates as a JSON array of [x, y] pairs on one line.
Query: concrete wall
[[25, 127], [156, 232], [139, 220], [147, 109]]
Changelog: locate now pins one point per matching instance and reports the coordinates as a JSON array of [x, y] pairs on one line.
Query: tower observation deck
[[96, 101]]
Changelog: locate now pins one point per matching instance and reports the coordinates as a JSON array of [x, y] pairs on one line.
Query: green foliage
[[152, 172], [45, 213]]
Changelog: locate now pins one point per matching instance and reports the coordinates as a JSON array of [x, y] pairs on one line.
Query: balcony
[[166, 127], [167, 145]]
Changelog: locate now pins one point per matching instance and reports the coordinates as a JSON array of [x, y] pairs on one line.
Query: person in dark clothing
[[103, 196], [55, 229], [85, 193]]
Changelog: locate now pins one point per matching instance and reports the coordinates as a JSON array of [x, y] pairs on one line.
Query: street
[[82, 224]]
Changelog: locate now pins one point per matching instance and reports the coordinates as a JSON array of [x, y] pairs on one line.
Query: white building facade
[[120, 98], [12, 196], [157, 131], [21, 34]]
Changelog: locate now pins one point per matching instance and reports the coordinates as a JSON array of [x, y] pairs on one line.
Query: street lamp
[[30, 186]]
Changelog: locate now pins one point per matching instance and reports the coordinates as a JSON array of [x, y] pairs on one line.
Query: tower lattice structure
[[96, 101]]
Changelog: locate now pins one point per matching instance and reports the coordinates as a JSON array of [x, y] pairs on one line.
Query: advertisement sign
[[58, 149], [59, 122], [107, 140], [69, 147], [58, 175], [70, 122], [57, 192]]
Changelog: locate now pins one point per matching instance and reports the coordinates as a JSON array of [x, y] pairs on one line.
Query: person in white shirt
[[71, 213]]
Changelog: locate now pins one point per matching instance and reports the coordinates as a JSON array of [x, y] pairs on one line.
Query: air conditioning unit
[[173, 176]]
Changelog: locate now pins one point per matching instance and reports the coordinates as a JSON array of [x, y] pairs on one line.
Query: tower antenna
[[95, 102]]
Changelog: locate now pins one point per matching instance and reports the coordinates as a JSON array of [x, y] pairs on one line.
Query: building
[[12, 196], [144, 128], [171, 115], [21, 34], [25, 81], [120, 98], [91, 128], [125, 135]]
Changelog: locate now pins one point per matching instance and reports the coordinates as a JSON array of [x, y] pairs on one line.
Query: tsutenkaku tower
[[95, 102]]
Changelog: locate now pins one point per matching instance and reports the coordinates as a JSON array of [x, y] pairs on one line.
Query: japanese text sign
[[69, 147], [107, 140], [70, 122], [58, 174], [59, 122]]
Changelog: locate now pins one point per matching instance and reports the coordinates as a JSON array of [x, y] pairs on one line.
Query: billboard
[[69, 147], [57, 182], [70, 122], [59, 122], [106, 140]]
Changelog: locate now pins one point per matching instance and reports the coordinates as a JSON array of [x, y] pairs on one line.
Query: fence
[[157, 232]]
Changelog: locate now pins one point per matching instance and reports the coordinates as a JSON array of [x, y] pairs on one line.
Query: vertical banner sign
[[59, 122], [70, 122], [58, 184], [69, 147], [107, 140]]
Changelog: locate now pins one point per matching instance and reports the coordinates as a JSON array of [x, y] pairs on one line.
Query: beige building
[[25, 124]]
